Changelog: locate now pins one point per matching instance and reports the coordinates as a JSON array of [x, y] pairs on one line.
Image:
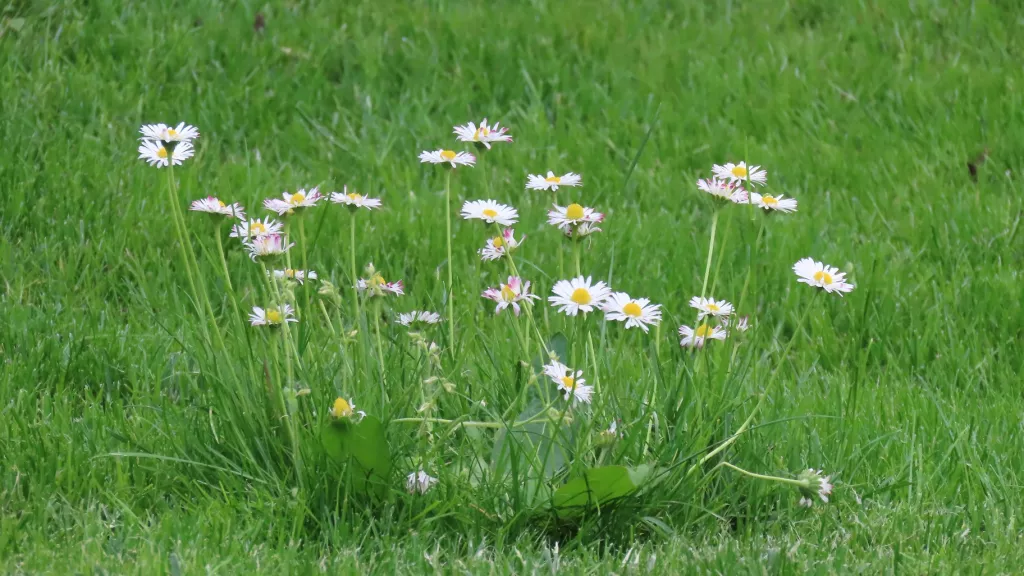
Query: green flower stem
[[790, 481], [380, 352], [711, 251], [354, 272], [448, 238], [172, 194]]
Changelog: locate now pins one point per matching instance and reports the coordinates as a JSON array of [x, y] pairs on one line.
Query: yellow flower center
[[769, 200], [713, 308], [257, 228], [298, 198], [447, 155], [341, 408], [580, 296], [274, 316], [574, 212], [739, 171], [568, 382], [553, 179], [820, 276], [377, 280], [498, 242], [507, 294], [703, 331], [220, 203], [289, 273], [172, 132], [162, 152], [354, 197], [490, 213], [632, 309]]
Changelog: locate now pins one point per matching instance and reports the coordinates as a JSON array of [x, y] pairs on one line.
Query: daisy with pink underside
[[289, 202], [500, 245], [512, 293], [483, 134]]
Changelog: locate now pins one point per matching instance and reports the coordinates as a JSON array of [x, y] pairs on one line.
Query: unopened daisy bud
[[814, 484], [562, 416], [425, 407], [609, 436], [352, 334], [303, 392], [430, 380], [327, 289], [449, 387], [419, 482]]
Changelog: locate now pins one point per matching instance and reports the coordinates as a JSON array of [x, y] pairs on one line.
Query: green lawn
[[142, 430]]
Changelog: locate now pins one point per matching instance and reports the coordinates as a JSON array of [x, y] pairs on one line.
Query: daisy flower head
[[569, 382], [581, 231], [346, 409], [375, 285], [736, 173], [410, 318], [164, 133], [742, 323], [247, 229], [490, 212], [814, 484], [212, 205], [723, 190], [354, 200], [710, 307], [157, 154], [299, 276], [483, 134], [552, 182], [448, 156], [579, 295], [773, 203], [511, 294], [821, 275], [573, 215], [289, 202], [636, 313], [500, 245], [696, 338], [267, 245], [419, 482], [271, 316], [611, 434]]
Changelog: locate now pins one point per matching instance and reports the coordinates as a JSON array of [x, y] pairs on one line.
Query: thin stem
[[448, 238], [711, 251], [355, 274], [380, 353], [790, 481], [462, 423], [172, 193]]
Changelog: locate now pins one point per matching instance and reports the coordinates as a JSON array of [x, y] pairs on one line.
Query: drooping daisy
[[247, 229], [821, 275], [578, 295], [289, 202], [511, 294], [409, 318], [419, 482], [569, 382], [490, 211], [737, 173], [581, 231], [449, 156], [742, 323], [213, 205], [638, 313], [267, 245], [354, 200], [271, 316], [710, 307], [814, 484], [164, 133], [343, 408], [500, 245], [156, 154], [299, 276], [572, 215], [552, 182], [375, 285], [696, 338], [769, 202], [482, 134], [723, 190]]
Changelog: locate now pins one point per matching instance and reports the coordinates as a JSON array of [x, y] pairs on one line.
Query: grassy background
[[867, 112]]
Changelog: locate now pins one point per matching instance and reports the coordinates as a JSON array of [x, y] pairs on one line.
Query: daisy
[[419, 482], [578, 295], [482, 134], [724, 190], [409, 318], [497, 247], [289, 202], [814, 484], [490, 211], [769, 202], [271, 316], [343, 408], [737, 173], [354, 200], [710, 307], [164, 133], [569, 382], [820, 275], [453, 158], [510, 294], [375, 285], [696, 338], [742, 324], [635, 313], [611, 434], [254, 228], [212, 205], [299, 276], [267, 245], [581, 231], [573, 215], [552, 182], [156, 154]]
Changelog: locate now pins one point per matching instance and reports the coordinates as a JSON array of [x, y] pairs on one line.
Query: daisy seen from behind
[[552, 182], [512, 293], [710, 307], [483, 134], [723, 190], [354, 200], [289, 201], [773, 203], [579, 295], [490, 211], [419, 482], [697, 338], [636, 313], [570, 382], [417, 316], [271, 316], [156, 153], [736, 173], [500, 245], [456, 159], [375, 285], [213, 205], [821, 275]]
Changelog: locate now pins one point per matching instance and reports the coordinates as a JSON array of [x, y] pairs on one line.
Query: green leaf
[[558, 345], [364, 447], [599, 486], [531, 454]]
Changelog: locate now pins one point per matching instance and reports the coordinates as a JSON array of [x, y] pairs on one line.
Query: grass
[[131, 442]]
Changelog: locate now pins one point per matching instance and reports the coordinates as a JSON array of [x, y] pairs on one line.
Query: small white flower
[[354, 200], [299, 276], [500, 245], [552, 182], [490, 211], [579, 295], [769, 202], [482, 134], [271, 316], [409, 318], [723, 189], [638, 313], [267, 245], [375, 285], [212, 205], [163, 133], [582, 230], [573, 215], [696, 338], [815, 483], [569, 382], [343, 408], [247, 229], [742, 323], [289, 202], [156, 154], [510, 294], [419, 482], [737, 173], [449, 156], [710, 307], [820, 275]]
